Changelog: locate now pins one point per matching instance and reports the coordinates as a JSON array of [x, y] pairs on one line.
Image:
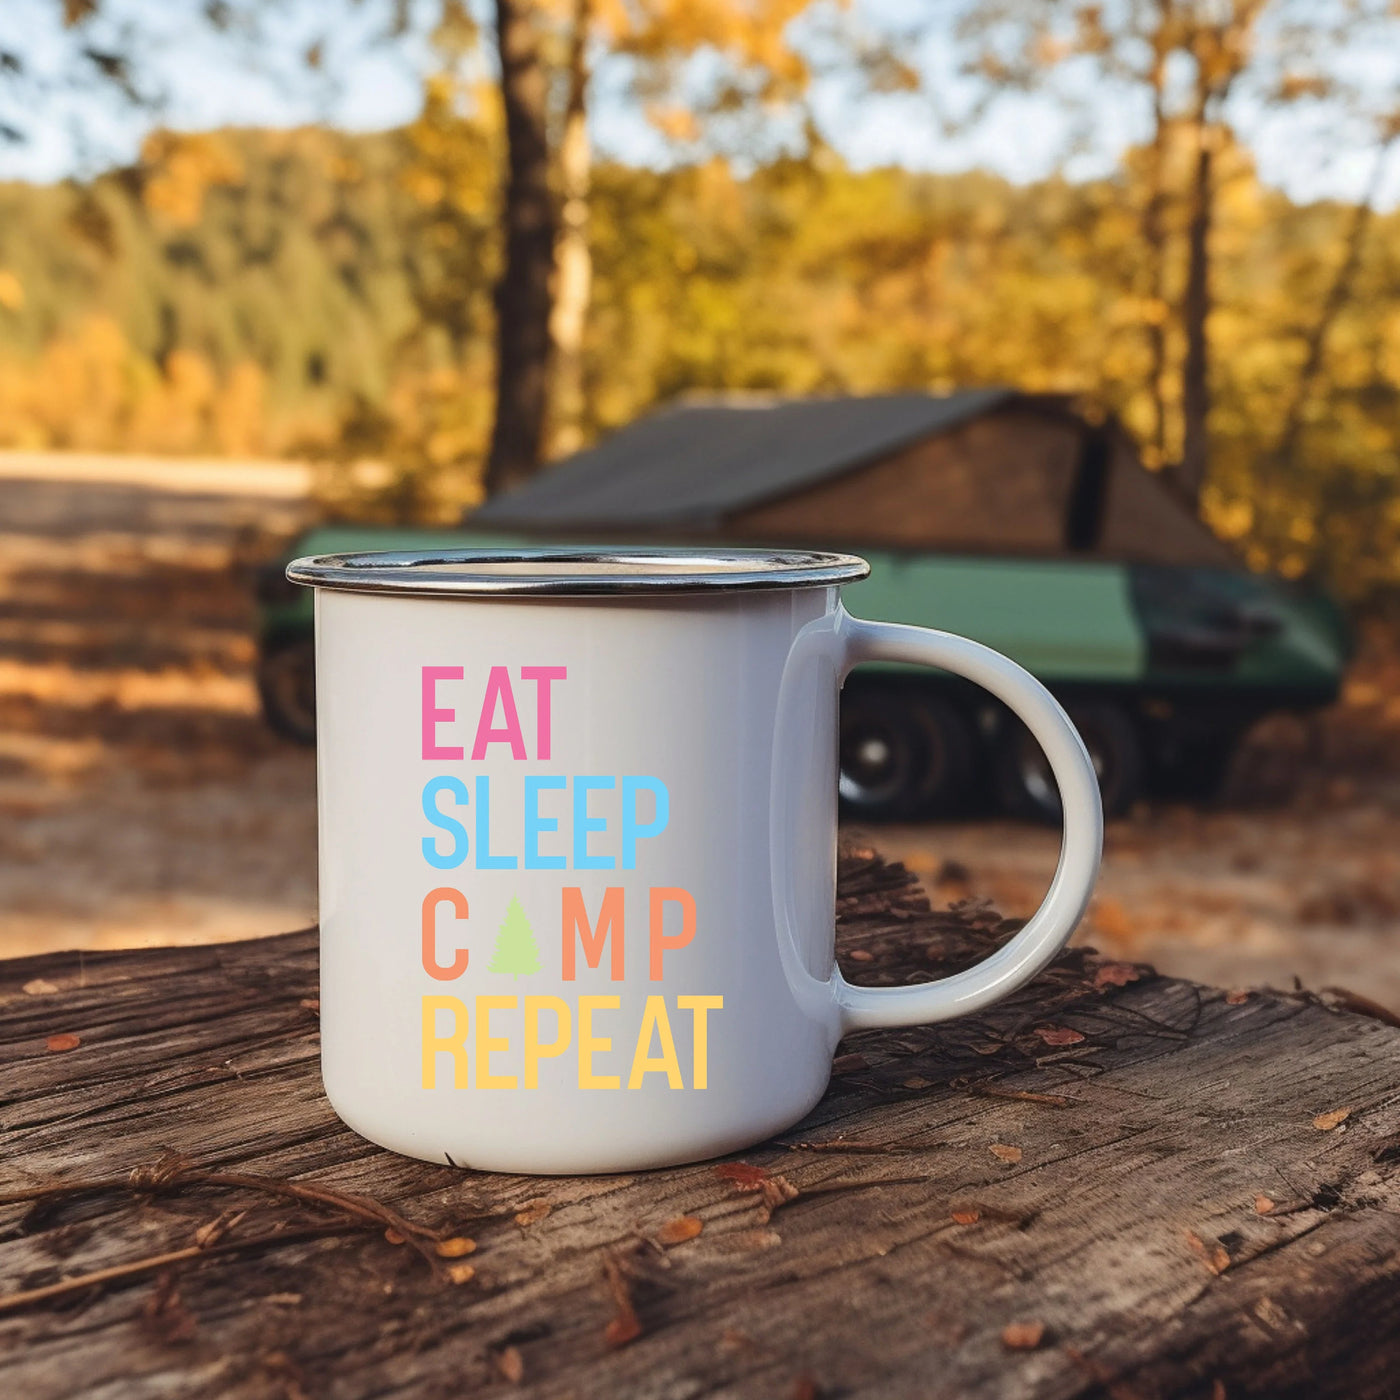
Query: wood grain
[[1128, 1229]]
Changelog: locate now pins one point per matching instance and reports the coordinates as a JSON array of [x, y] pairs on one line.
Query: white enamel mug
[[577, 844]]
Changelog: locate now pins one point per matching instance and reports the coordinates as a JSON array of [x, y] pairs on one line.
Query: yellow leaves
[[1325, 1122], [180, 168], [1004, 1152], [460, 1273], [63, 1041], [11, 290]]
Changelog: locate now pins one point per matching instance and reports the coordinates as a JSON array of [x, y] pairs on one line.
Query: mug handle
[[852, 641]]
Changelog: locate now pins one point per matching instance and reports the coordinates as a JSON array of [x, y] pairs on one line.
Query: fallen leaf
[[1214, 1255], [624, 1326], [679, 1230], [511, 1364], [918, 1082], [461, 1273], [65, 1040], [1263, 1205], [1116, 974], [455, 1247], [39, 987], [1022, 1336], [309, 1004], [966, 1217], [848, 1064], [743, 1174], [1059, 1035], [861, 955], [1238, 997], [393, 1236], [533, 1211], [1004, 1152], [1327, 1121]]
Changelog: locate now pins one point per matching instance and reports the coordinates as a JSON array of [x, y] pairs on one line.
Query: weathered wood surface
[[1130, 1229]]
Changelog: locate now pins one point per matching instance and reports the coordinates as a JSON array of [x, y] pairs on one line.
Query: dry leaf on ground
[[533, 1211], [861, 955], [461, 1273], [1238, 997], [1022, 1336], [624, 1326], [510, 1364], [65, 1040], [679, 1230], [1327, 1121], [455, 1247], [966, 1217], [1005, 1152], [1059, 1035], [1116, 974], [1213, 1254], [1263, 1204], [39, 987]]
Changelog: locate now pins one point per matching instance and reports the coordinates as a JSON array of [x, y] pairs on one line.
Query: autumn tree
[[1187, 58]]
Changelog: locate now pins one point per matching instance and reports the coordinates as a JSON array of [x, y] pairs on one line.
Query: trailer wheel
[[1025, 786], [902, 756], [287, 689]]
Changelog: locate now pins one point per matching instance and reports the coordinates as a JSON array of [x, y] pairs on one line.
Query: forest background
[[332, 295]]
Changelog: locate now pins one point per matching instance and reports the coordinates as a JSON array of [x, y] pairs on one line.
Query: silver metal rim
[[574, 572]]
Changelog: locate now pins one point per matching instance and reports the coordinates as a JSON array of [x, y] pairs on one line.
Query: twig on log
[[152, 1263]]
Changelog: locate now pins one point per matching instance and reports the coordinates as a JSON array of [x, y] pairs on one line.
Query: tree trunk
[[1154, 236], [1338, 294], [523, 292], [573, 264], [1195, 315]]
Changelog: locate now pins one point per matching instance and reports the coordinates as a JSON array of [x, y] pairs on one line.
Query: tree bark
[[573, 263], [1195, 316], [1338, 294], [523, 292], [1154, 236]]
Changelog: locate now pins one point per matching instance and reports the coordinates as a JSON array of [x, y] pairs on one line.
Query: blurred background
[[357, 266]]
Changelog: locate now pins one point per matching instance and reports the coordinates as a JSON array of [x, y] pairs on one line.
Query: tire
[[287, 689], [1198, 772], [1025, 786], [903, 756]]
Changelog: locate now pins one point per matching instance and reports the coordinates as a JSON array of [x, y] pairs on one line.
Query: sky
[[203, 80]]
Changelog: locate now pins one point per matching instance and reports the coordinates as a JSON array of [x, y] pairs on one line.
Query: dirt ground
[[142, 800]]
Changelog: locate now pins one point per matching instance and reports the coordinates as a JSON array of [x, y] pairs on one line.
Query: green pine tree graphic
[[515, 950]]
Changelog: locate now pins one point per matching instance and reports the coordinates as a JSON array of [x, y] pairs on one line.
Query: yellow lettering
[[589, 1044], [534, 1051], [655, 1020], [700, 1006], [487, 1044], [454, 1043]]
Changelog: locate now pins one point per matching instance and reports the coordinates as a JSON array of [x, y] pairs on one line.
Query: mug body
[[548, 940]]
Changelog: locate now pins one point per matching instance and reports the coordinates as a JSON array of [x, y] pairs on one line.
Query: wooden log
[[1114, 1184]]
